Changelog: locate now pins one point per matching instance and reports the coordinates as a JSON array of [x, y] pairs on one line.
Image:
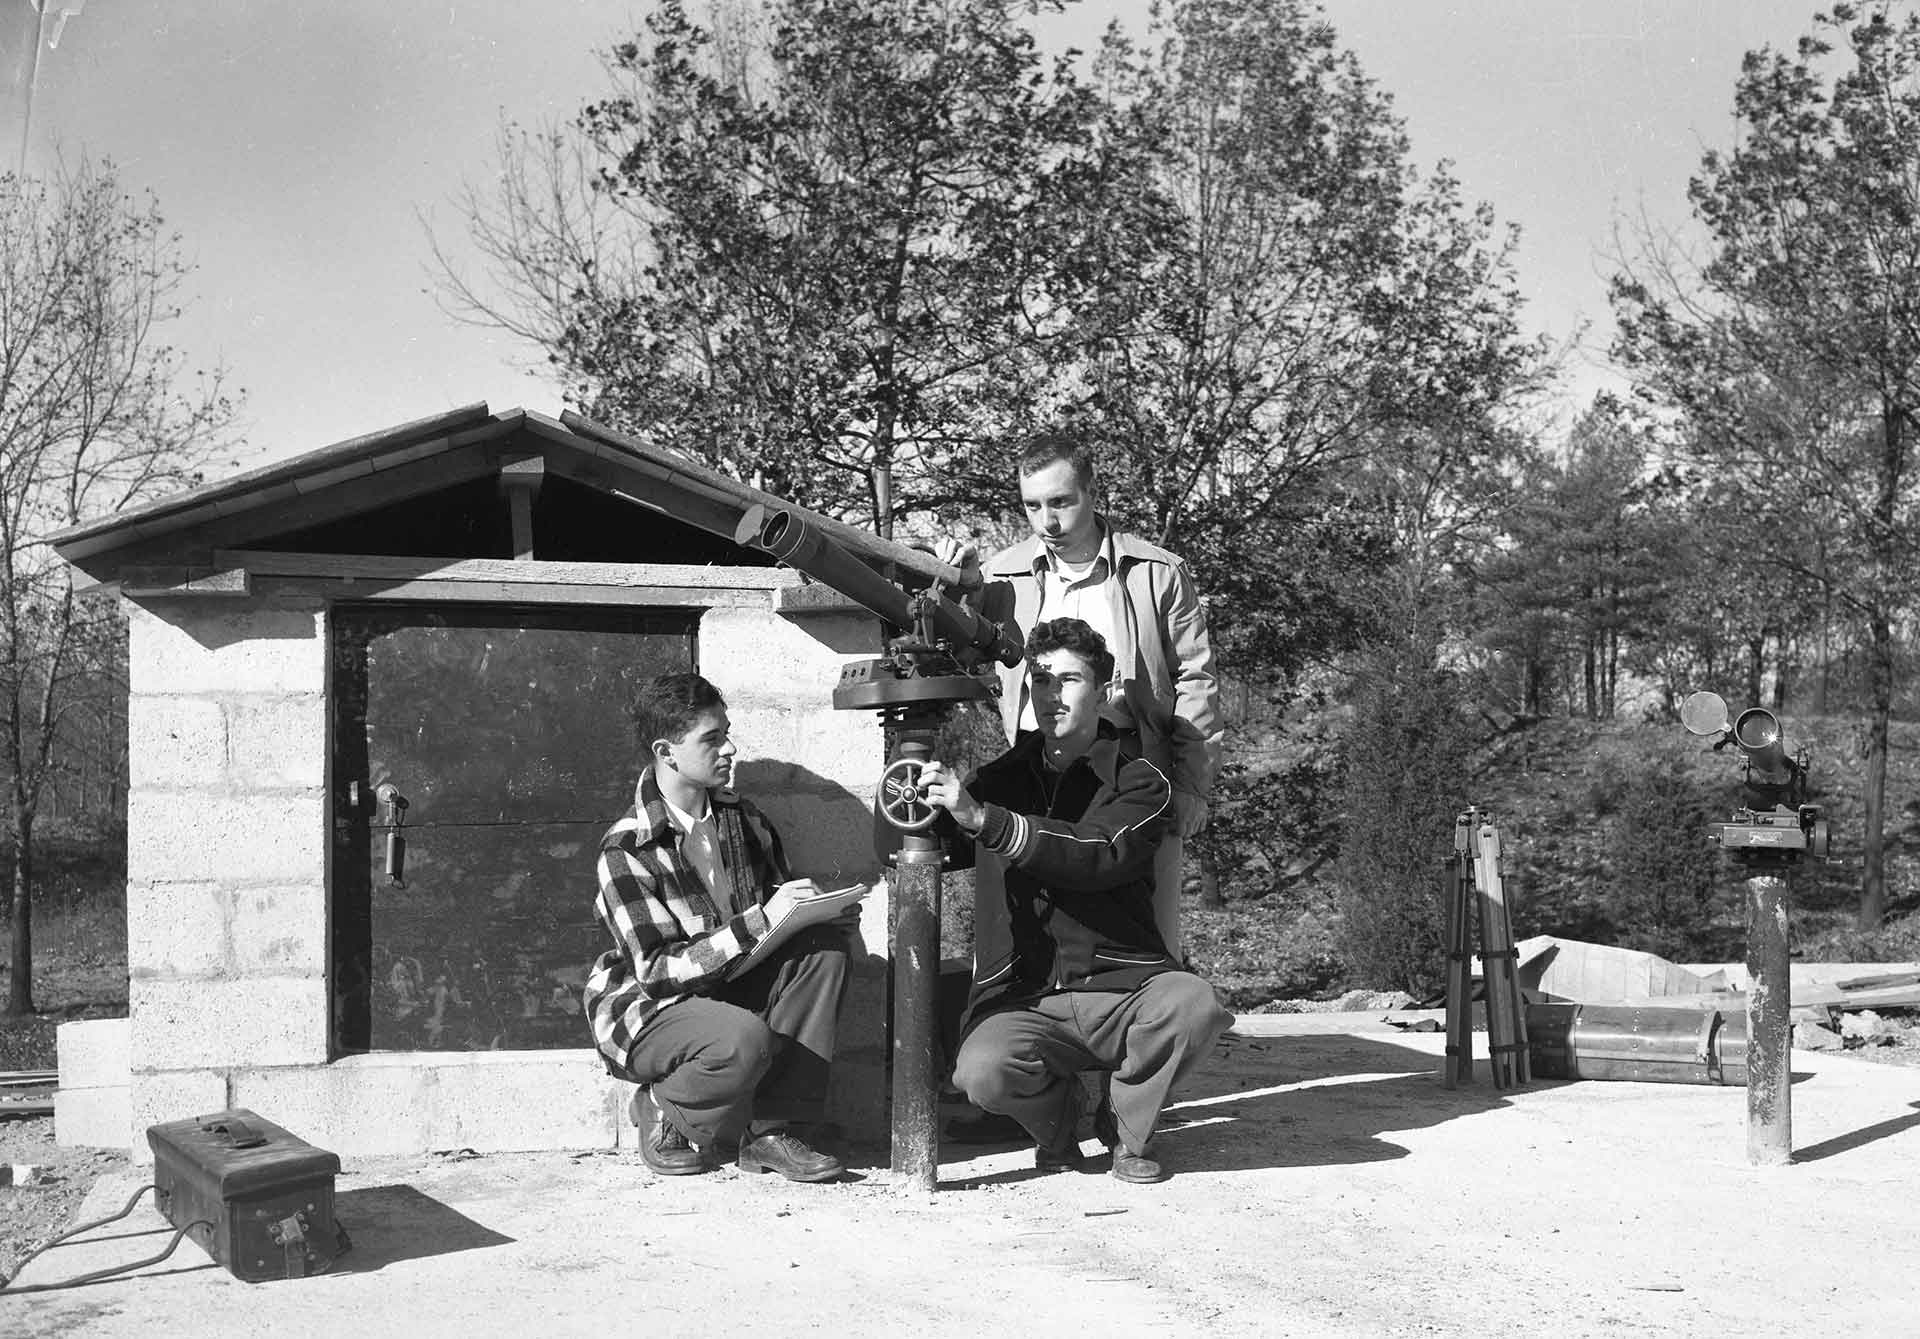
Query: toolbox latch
[[290, 1235]]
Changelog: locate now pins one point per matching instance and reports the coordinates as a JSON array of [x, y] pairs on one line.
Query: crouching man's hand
[[940, 786]]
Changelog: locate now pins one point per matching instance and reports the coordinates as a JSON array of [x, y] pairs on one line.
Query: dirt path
[[1327, 1186]]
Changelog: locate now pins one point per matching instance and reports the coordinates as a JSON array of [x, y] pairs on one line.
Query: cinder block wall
[[227, 884], [226, 849]]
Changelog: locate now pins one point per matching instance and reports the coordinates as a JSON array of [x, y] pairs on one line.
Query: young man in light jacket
[[1141, 600]]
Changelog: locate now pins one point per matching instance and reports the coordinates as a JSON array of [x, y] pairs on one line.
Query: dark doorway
[[504, 730]]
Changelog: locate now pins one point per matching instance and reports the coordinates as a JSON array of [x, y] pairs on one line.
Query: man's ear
[[661, 752]]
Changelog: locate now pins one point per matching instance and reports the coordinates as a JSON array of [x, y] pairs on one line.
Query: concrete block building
[[377, 727]]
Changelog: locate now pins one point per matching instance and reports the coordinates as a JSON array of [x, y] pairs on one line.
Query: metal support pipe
[[1769, 1024], [916, 984]]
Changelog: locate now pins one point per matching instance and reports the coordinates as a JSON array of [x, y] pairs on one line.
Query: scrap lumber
[[1885, 981], [1886, 997], [28, 1078], [1571, 969]]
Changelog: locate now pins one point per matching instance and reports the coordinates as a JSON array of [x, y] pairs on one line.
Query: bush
[[1407, 767], [1275, 818], [1666, 888]]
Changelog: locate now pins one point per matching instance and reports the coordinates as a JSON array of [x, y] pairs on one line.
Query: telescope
[[1775, 825], [943, 639], [941, 654]]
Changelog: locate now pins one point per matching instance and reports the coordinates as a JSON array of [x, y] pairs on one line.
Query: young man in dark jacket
[[1070, 971]]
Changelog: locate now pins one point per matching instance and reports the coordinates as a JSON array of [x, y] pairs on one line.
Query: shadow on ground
[[1294, 1101], [392, 1223]]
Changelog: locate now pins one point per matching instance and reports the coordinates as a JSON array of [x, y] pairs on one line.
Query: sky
[[302, 149]]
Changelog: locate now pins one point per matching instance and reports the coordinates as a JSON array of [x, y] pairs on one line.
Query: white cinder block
[[175, 741], [169, 1096], [279, 929], [276, 743], [739, 648], [841, 748], [258, 1020], [407, 1102], [93, 1054], [176, 930], [262, 838], [828, 839], [501, 1100], [92, 1117], [350, 1107], [201, 647]]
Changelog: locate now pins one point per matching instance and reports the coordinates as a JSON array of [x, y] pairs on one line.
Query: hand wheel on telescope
[[902, 801]]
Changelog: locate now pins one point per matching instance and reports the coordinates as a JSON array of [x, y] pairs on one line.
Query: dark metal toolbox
[[258, 1199]]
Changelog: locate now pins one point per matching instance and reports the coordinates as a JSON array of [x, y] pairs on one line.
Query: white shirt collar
[[1104, 553], [683, 820]]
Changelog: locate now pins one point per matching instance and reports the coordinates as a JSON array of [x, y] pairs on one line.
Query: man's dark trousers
[[1024, 1062], [759, 1047]]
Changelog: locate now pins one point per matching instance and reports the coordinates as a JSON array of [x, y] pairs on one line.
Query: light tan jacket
[[1164, 684]]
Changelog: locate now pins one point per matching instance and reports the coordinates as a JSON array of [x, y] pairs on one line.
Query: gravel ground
[[32, 1214], [35, 1213]]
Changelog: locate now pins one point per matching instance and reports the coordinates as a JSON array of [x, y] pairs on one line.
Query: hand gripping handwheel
[[903, 802]]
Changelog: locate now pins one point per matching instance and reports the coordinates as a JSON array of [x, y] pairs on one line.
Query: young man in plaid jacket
[[690, 879]]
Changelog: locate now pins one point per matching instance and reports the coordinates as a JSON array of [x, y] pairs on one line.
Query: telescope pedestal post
[[915, 935], [916, 979], [1769, 1021]]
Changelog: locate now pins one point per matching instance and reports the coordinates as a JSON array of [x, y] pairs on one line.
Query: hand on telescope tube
[[957, 552], [940, 786]]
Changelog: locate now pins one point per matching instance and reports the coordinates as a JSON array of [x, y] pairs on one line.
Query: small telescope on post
[[1767, 837], [1775, 823]]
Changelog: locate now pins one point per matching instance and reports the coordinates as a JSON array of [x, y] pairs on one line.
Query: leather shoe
[[663, 1148], [1065, 1159], [784, 1153], [1136, 1168]]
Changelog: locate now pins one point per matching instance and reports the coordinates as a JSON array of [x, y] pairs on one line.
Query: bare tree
[[96, 413]]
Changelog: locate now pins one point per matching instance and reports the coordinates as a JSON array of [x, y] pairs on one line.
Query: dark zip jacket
[[1063, 882]]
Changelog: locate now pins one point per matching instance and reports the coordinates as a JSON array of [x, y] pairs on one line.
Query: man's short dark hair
[[669, 705], [1048, 447], [1075, 635]]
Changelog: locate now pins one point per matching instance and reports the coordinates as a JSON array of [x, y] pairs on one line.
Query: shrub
[[1407, 766], [1666, 886]]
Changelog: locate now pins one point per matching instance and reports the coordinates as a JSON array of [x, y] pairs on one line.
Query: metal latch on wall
[[393, 812]]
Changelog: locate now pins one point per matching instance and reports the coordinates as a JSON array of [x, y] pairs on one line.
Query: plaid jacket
[[669, 939]]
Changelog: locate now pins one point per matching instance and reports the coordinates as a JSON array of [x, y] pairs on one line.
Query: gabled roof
[[431, 455]]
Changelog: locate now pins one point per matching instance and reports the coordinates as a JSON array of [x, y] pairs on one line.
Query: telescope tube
[[788, 537]]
